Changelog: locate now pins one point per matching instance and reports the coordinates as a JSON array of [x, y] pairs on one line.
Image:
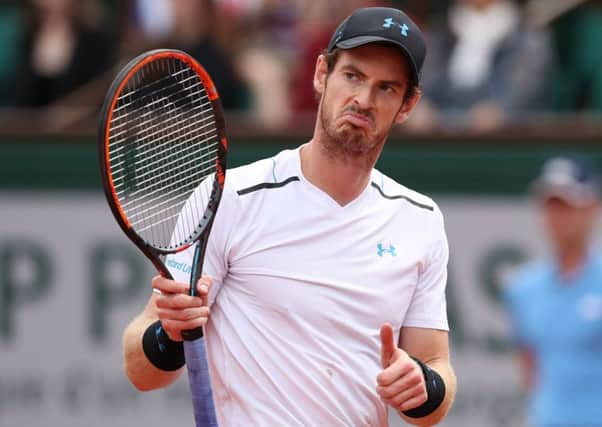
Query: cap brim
[[362, 40], [577, 196]]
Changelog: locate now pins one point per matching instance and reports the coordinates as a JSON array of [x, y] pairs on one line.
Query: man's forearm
[[140, 371]]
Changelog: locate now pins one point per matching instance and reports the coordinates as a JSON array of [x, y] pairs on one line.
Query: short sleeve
[[428, 308]]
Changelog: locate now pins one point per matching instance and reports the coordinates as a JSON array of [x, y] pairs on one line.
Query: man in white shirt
[[324, 299]]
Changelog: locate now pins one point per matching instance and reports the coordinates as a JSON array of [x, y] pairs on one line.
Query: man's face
[[363, 97], [568, 225]]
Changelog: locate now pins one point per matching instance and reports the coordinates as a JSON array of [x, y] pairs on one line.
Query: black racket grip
[[193, 334]]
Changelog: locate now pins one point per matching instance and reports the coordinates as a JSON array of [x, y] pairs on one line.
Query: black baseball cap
[[382, 25], [571, 178]]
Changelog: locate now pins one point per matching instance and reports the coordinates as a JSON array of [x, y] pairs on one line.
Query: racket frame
[[119, 83]]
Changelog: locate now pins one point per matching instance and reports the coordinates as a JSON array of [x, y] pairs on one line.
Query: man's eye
[[350, 76]]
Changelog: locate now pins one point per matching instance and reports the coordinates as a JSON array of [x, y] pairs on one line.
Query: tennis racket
[[163, 161]]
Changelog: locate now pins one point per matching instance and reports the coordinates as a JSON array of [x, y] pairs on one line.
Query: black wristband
[[435, 390], [161, 351]]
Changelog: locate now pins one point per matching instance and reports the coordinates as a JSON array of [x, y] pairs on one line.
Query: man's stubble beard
[[348, 141]]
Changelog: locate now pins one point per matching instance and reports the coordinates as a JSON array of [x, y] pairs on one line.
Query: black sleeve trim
[[407, 199], [267, 185]]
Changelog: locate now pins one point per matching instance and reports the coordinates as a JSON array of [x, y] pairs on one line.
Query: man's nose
[[364, 97]]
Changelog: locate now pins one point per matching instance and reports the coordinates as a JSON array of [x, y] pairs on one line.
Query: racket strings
[[157, 84], [153, 131], [162, 145], [148, 176], [187, 149], [142, 214], [126, 128]]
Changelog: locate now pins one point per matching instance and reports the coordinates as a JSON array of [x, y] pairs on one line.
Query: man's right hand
[[179, 311]]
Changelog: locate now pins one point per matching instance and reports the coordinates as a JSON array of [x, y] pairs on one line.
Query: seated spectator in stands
[[577, 85], [318, 21], [267, 57], [64, 47], [9, 35], [484, 63], [190, 25]]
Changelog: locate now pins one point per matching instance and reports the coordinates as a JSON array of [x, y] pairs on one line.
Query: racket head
[[162, 133]]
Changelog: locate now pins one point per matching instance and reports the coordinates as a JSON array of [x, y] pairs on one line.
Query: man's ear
[[407, 107], [320, 74]]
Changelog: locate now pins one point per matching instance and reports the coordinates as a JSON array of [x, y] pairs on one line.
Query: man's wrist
[[160, 350], [435, 390]]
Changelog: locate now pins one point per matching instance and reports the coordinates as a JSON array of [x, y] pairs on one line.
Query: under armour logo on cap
[[389, 22]]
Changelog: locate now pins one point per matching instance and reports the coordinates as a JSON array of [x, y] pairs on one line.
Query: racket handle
[[200, 383], [193, 334]]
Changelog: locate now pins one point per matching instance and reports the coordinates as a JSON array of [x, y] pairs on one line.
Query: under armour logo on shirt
[[381, 250], [403, 27]]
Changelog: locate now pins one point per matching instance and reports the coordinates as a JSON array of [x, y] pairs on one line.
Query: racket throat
[[197, 267], [195, 274]]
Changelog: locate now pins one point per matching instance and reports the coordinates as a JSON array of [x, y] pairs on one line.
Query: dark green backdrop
[[430, 165]]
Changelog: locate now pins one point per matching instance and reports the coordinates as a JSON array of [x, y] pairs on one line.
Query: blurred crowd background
[[506, 84], [491, 63]]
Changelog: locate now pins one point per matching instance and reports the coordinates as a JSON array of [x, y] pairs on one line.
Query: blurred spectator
[[266, 59], [318, 21], [64, 47], [190, 25], [484, 62], [239, 8], [9, 36], [277, 20], [577, 85], [267, 74], [556, 304]]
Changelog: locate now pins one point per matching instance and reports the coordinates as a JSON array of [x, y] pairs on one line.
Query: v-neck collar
[[323, 195]]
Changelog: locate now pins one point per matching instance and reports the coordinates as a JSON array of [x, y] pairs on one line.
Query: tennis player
[[326, 302]]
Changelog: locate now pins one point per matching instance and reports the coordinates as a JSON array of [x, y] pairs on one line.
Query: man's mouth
[[357, 120]]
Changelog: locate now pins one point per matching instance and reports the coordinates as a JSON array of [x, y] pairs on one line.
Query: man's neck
[[571, 260], [343, 179]]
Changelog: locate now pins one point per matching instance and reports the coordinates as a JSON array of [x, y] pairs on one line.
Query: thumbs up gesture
[[401, 382]]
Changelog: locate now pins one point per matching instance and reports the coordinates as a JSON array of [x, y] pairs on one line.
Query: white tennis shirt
[[301, 287]]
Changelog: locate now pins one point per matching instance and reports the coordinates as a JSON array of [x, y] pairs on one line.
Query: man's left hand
[[401, 382]]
